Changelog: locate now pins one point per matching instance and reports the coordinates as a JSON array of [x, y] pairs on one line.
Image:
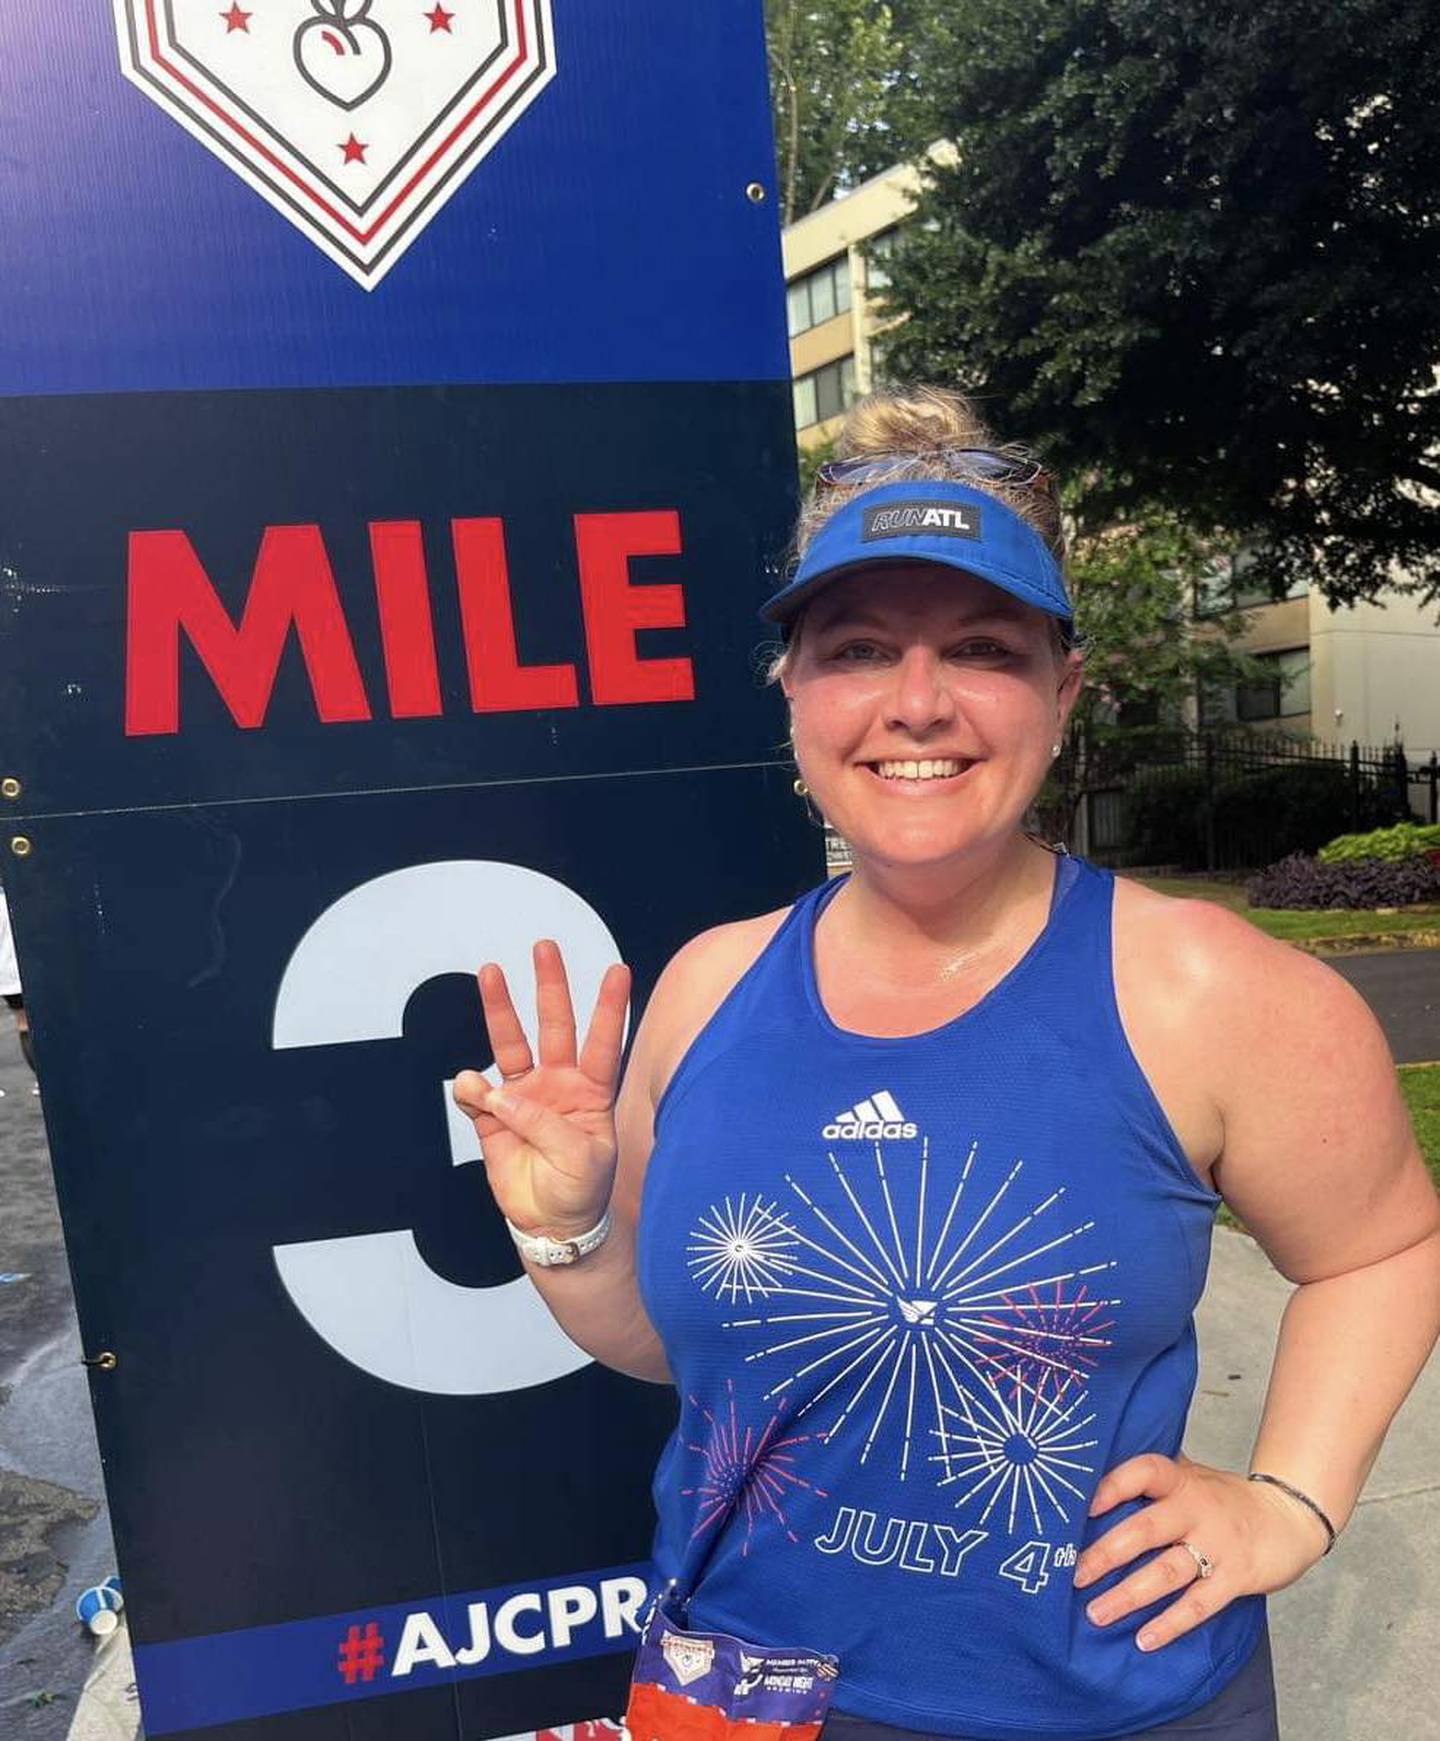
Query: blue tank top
[[918, 1294]]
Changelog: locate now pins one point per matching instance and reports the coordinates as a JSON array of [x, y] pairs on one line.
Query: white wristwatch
[[547, 1253]]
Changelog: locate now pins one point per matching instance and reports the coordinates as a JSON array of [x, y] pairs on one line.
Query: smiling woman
[[909, 1189], [930, 643]]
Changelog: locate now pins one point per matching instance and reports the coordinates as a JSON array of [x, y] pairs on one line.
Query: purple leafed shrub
[[1301, 881]]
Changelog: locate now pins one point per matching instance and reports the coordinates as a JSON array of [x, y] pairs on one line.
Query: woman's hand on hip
[[1256, 1537], [548, 1133]]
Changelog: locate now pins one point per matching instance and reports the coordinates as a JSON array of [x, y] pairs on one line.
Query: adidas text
[[852, 1129]]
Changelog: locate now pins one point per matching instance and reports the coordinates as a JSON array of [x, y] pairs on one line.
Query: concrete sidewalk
[[1355, 1638]]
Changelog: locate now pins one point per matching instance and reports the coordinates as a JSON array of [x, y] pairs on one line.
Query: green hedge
[[1289, 808], [1404, 840], [1165, 817]]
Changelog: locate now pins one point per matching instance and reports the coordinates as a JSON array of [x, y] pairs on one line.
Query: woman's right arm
[[561, 1143]]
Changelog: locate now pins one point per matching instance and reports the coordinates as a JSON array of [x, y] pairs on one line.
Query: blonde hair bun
[[918, 420], [925, 424]]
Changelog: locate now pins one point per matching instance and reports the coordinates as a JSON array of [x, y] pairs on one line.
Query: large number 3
[[372, 1296]]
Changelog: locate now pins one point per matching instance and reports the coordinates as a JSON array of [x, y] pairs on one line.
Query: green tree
[[811, 458], [1191, 248], [1133, 587], [1146, 654], [845, 91]]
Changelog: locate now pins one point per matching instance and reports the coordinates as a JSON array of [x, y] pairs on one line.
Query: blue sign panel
[[394, 446]]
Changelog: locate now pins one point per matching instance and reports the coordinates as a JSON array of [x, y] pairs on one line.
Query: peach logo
[[355, 119]]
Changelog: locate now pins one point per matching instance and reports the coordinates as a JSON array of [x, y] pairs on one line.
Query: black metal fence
[[1227, 800]]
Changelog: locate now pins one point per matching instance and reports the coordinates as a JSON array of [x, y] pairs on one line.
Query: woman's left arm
[[1320, 1163]]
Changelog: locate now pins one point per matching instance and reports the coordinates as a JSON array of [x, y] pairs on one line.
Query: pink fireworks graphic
[[1044, 1340], [747, 1471]]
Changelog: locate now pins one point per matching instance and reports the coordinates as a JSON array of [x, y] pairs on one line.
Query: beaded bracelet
[[1304, 1499]]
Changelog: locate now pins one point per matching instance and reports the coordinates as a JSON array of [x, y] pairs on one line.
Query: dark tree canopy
[[1189, 247]]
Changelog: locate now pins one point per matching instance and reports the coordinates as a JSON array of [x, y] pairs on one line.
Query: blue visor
[[927, 520]]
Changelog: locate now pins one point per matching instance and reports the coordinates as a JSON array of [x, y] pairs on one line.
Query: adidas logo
[[878, 1116]]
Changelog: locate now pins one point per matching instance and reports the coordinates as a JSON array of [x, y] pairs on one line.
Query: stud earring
[[1054, 749], [800, 789]]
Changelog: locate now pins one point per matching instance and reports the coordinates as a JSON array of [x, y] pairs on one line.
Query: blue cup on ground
[[99, 1607]]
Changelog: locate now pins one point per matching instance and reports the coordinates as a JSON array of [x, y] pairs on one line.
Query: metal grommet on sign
[[105, 1360], [755, 192], [10, 787], [20, 845]]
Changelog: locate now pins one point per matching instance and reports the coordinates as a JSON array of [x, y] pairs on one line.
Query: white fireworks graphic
[[1019, 1455], [740, 1251], [897, 1330]]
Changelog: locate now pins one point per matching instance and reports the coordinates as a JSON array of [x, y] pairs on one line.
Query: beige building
[[834, 324], [1368, 674]]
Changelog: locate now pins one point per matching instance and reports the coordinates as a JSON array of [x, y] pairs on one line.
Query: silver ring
[[1204, 1564], [529, 1068]]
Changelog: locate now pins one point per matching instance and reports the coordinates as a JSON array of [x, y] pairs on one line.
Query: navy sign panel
[[395, 444]]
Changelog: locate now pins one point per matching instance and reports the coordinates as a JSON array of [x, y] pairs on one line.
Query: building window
[[824, 393], [880, 360], [819, 295], [1216, 704], [1223, 586], [1137, 710], [1283, 692], [1212, 589], [1246, 595], [879, 251]]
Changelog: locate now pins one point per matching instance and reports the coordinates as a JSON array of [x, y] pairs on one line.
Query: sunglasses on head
[[978, 462]]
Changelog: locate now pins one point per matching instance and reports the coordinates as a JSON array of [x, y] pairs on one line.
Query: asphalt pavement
[[1402, 986], [1353, 1639]]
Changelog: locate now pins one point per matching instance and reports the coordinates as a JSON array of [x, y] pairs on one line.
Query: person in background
[[10, 988]]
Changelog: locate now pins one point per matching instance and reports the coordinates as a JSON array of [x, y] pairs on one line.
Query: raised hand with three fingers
[[548, 1132]]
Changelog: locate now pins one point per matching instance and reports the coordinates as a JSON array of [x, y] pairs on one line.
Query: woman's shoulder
[[703, 971], [1317, 1155], [1194, 933], [696, 980], [1218, 970]]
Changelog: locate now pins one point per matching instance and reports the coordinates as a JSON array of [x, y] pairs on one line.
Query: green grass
[[1301, 925], [1420, 1084]]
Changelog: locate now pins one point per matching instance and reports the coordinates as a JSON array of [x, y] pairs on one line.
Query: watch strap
[[547, 1253]]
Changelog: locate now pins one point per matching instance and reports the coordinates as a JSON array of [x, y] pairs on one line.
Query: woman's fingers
[[469, 1091], [552, 1005], [599, 1059], [605, 1038], [565, 1146], [508, 1043], [1175, 1569], [1168, 1571]]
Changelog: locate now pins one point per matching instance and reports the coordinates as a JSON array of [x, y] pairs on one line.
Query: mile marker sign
[[394, 445]]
